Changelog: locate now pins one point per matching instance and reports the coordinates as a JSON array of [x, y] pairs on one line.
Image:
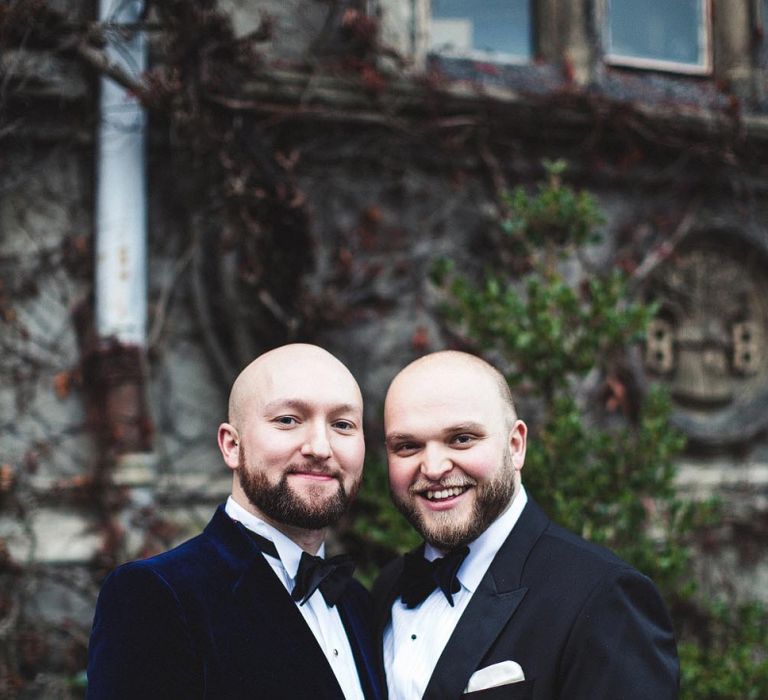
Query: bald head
[[301, 363], [441, 367], [294, 440]]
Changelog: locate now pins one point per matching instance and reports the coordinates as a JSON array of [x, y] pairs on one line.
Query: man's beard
[[282, 504], [442, 532]]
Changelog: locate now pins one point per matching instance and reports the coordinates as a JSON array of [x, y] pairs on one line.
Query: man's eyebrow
[[398, 437], [468, 427], [296, 404], [346, 408], [306, 406]]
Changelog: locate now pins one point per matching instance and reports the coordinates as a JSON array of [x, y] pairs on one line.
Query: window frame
[[657, 64], [489, 56]]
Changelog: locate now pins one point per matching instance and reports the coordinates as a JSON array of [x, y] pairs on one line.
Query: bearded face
[[448, 529], [312, 508], [455, 447]]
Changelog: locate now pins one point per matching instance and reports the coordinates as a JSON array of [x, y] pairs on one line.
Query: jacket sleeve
[[140, 645], [622, 644]]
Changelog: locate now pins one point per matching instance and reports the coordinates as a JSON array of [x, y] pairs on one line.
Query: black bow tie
[[420, 577], [331, 576]]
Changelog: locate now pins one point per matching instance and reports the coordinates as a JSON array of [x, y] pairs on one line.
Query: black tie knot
[[420, 577], [331, 576]]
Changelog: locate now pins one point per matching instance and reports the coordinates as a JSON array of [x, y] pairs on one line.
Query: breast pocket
[[512, 691]]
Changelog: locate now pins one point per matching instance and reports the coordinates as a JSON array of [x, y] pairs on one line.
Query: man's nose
[[435, 463], [317, 444]]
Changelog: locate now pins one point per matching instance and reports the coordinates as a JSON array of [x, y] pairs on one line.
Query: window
[[671, 35], [496, 29]]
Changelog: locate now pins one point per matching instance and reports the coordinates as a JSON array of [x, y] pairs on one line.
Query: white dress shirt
[[415, 638], [322, 619]]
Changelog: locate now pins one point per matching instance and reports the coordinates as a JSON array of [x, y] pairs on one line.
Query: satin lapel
[[488, 611], [491, 607], [263, 599]]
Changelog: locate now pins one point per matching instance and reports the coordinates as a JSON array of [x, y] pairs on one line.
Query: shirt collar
[[483, 549], [288, 551]]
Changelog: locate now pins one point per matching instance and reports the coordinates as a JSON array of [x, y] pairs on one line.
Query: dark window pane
[[662, 30], [494, 26]]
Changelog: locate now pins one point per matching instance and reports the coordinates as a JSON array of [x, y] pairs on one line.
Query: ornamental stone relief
[[708, 341]]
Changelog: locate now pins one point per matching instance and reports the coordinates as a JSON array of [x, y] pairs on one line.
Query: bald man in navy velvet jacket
[[499, 602], [246, 609]]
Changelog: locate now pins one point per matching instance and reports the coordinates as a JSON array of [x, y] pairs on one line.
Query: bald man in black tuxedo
[[499, 602]]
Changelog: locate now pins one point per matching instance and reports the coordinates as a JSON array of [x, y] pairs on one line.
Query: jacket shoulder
[[569, 546], [220, 551], [165, 564]]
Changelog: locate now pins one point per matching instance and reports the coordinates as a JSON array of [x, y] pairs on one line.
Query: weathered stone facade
[[398, 164]]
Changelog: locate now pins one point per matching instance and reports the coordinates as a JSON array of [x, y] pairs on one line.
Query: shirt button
[[335, 652], [413, 636]]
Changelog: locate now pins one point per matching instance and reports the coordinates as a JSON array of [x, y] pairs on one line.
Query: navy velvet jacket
[[583, 624], [209, 619]]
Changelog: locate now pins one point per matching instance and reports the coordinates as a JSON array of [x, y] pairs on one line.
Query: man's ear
[[229, 444], [517, 442]]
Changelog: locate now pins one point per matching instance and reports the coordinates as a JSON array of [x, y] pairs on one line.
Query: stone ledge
[[52, 536], [41, 74], [322, 95], [722, 474]]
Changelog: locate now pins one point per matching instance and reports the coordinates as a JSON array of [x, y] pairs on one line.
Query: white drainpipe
[[121, 188], [117, 361]]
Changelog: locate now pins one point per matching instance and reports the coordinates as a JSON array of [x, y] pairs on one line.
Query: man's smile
[[444, 494], [439, 497]]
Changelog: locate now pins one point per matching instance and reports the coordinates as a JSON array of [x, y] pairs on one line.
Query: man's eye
[[344, 425], [404, 448], [286, 420], [463, 439]]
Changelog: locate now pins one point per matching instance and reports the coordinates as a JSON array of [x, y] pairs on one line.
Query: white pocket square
[[503, 673]]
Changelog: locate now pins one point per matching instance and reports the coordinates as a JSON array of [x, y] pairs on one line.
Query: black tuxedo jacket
[[583, 624], [209, 619]]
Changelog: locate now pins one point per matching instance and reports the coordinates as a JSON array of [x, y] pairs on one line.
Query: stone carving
[[708, 341]]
